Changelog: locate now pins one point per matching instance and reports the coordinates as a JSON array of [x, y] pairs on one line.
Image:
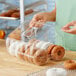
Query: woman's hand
[[39, 19], [67, 28]]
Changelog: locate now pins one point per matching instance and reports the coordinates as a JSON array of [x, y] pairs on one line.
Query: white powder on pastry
[[45, 45], [7, 42], [17, 49], [56, 72], [39, 44], [27, 45], [31, 49], [12, 48], [19, 46]]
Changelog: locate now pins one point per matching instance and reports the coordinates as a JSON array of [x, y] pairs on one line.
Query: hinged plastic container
[[35, 46]]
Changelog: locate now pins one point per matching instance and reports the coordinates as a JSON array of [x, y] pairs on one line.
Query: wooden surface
[[11, 66]]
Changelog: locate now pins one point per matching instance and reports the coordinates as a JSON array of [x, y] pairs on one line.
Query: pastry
[[57, 53], [40, 57], [70, 65], [26, 55], [16, 15], [13, 48], [5, 14], [29, 11], [20, 50]]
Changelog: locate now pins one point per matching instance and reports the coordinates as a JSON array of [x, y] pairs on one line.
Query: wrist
[[51, 16]]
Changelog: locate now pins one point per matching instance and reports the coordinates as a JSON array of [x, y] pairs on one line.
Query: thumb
[[71, 31]]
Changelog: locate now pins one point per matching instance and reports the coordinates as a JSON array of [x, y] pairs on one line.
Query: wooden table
[[11, 66]]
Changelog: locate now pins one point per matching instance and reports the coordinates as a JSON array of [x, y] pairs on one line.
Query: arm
[[52, 15], [42, 18]]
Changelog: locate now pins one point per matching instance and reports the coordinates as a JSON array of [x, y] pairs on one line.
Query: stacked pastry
[[27, 52], [15, 13], [35, 51], [54, 52]]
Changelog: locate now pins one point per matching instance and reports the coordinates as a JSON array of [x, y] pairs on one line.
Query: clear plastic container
[[36, 32], [35, 46], [27, 52]]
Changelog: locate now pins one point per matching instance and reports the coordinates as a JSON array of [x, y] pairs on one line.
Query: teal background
[[64, 16]]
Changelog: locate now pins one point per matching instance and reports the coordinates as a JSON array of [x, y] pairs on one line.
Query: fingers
[[33, 21], [35, 18], [67, 28], [68, 25], [71, 31], [73, 22], [37, 22]]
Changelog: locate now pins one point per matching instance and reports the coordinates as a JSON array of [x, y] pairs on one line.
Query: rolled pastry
[[40, 57], [29, 11], [70, 65], [9, 41], [16, 15], [20, 50], [5, 14], [13, 11], [13, 47], [57, 53], [26, 55], [33, 49]]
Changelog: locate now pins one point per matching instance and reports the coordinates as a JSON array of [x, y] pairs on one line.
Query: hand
[[39, 19], [67, 28]]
